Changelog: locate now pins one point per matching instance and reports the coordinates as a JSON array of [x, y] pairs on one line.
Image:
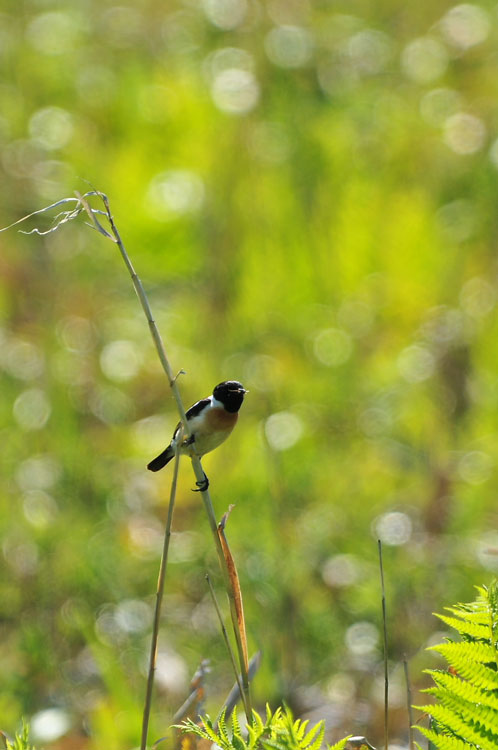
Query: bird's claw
[[202, 485]]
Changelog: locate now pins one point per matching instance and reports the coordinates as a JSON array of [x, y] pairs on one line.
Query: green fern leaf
[[478, 717], [253, 737], [257, 729], [313, 740], [492, 594], [238, 743], [458, 726], [299, 728], [189, 726], [483, 653], [464, 627], [479, 674], [465, 714], [223, 736], [339, 745], [276, 716], [236, 731], [462, 688], [211, 734], [480, 617], [20, 741], [444, 741], [470, 660], [274, 744]]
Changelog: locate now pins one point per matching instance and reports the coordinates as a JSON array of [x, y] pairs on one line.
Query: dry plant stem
[[227, 643], [157, 610], [386, 670], [236, 613], [196, 462]]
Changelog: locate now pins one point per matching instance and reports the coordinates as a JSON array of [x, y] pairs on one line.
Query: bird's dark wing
[[197, 408], [194, 411]]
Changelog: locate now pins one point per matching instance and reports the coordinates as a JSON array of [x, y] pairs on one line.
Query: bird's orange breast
[[219, 419], [212, 429]]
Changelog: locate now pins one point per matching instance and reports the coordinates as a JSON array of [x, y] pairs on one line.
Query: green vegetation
[[465, 714], [20, 741], [308, 192], [279, 732]]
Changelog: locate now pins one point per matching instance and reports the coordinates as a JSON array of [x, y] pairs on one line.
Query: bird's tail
[[161, 460]]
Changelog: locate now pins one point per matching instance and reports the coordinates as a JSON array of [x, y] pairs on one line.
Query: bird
[[210, 421]]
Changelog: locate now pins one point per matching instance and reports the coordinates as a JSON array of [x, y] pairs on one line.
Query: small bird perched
[[210, 420]]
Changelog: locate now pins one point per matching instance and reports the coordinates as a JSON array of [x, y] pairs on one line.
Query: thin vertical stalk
[[411, 742], [386, 669], [227, 641], [157, 610]]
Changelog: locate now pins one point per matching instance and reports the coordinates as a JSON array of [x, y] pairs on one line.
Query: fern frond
[[465, 627], [276, 716], [460, 610], [464, 689], [492, 594], [238, 743], [444, 741], [257, 721], [299, 728], [313, 740], [253, 736], [465, 715], [206, 731], [470, 660], [20, 741], [257, 729], [223, 737], [451, 720], [465, 651], [479, 717], [280, 732], [273, 743], [340, 745], [236, 731]]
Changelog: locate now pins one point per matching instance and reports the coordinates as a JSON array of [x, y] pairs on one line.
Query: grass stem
[[157, 609], [227, 641], [386, 666], [409, 702]]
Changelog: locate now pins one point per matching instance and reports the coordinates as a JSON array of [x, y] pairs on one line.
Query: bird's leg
[[202, 485]]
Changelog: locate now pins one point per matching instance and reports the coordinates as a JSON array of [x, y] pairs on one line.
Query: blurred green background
[[308, 190]]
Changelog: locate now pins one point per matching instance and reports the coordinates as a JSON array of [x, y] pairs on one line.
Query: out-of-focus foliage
[[308, 190]]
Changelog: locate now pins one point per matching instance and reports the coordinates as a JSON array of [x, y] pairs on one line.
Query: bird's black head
[[231, 394]]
